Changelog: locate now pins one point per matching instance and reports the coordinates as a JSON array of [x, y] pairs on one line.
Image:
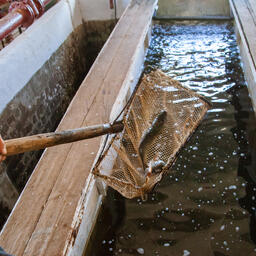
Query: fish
[[155, 167], [146, 138]]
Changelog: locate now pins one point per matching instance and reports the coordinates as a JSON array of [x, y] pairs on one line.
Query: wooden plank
[[252, 8], [248, 25], [45, 175], [244, 39], [42, 228]]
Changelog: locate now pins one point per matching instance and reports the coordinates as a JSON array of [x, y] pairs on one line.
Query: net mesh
[[160, 119]]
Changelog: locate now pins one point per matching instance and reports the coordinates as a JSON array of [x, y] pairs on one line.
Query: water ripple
[[202, 207]]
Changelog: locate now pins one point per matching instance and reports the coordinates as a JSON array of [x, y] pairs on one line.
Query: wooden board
[[244, 12], [41, 222]]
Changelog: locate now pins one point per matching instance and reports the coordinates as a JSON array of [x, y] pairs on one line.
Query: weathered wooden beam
[[245, 23], [48, 217]]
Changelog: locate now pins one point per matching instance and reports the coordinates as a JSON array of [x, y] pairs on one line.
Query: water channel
[[206, 204]]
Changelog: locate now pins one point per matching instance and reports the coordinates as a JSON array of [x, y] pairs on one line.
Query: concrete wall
[[21, 59], [194, 8], [100, 9]]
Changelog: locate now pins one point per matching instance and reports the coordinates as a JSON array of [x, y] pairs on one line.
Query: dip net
[[159, 120]]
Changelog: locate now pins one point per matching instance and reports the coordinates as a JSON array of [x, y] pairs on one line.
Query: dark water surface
[[206, 206]]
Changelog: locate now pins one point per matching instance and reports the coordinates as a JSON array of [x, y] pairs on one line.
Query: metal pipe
[[21, 13], [2, 2], [10, 22]]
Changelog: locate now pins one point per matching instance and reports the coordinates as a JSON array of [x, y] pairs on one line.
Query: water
[[206, 205]]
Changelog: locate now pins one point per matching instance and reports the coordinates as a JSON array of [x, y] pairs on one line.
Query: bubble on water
[[140, 250], [186, 253]]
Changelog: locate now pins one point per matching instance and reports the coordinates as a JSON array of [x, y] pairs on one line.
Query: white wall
[[197, 8], [21, 59], [100, 9], [29, 51]]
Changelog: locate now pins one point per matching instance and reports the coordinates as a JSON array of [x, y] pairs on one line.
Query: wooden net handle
[[45, 140]]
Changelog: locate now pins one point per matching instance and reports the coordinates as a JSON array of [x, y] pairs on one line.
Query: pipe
[[21, 13], [2, 2], [9, 22], [111, 4], [23, 16]]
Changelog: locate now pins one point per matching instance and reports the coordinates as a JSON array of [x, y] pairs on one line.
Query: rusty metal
[[9, 22], [21, 13], [111, 4], [2, 2]]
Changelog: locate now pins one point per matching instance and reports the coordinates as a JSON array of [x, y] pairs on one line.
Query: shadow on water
[[206, 204]]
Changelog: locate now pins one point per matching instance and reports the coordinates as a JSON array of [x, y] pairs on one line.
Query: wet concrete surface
[[206, 204]]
